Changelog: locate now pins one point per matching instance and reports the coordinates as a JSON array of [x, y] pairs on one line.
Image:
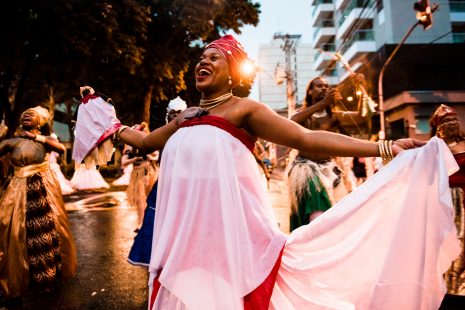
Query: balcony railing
[[316, 3], [359, 35], [324, 23], [352, 5], [458, 37], [457, 6]]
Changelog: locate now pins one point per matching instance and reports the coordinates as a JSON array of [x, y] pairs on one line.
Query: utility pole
[[289, 46]]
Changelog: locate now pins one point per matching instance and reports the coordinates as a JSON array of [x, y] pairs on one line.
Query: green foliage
[[130, 50]]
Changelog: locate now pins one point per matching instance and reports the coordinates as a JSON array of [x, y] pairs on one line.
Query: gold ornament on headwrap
[[44, 115]]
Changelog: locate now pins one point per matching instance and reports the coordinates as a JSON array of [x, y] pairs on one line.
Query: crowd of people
[[214, 243]]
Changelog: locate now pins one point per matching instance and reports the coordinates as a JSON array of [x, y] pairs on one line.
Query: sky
[[286, 16]]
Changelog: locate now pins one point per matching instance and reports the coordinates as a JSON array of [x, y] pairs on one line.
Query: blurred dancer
[[142, 178], [65, 184], [95, 125], [36, 246], [125, 178], [315, 181], [142, 247], [87, 178], [445, 125]]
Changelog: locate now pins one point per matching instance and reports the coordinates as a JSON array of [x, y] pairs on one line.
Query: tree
[[141, 53]]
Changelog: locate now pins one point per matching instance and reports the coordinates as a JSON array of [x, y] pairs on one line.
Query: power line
[[422, 46]]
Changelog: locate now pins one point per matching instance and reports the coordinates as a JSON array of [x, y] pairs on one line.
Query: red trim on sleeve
[[107, 134]]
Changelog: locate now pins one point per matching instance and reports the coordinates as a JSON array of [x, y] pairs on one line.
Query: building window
[[457, 6], [397, 129], [379, 5], [422, 115], [458, 31], [422, 125]]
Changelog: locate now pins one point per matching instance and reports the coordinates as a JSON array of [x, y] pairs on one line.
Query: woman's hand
[[405, 144], [189, 113], [332, 97], [27, 135]]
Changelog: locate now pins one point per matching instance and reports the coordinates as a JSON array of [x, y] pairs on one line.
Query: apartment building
[[272, 75], [426, 71]]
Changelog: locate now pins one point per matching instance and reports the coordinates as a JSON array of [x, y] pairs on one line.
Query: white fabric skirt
[[385, 246], [87, 179]]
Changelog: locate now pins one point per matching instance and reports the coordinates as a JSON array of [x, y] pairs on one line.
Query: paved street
[[278, 191], [103, 225]]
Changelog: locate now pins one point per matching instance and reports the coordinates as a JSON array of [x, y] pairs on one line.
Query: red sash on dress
[[224, 124]]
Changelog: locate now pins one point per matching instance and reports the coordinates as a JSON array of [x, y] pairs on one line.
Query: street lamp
[[426, 20]]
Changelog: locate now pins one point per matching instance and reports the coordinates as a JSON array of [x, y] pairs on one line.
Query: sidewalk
[[278, 193]]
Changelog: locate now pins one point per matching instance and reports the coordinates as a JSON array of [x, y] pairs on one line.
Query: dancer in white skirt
[[87, 178], [216, 243], [127, 170], [65, 184]]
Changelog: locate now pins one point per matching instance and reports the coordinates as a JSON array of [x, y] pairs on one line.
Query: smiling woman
[[36, 246], [216, 242]]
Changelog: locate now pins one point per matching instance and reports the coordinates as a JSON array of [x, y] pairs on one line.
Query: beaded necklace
[[213, 103]]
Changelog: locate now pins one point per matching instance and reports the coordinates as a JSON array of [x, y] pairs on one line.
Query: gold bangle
[[385, 151], [381, 149], [389, 148], [40, 138]]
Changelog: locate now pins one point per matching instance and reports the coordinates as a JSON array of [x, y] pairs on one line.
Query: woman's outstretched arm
[[148, 142], [265, 123]]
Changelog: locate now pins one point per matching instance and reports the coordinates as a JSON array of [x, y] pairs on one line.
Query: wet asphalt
[[103, 228]]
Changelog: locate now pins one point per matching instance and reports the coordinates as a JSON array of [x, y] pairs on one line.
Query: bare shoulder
[[252, 106], [244, 110]]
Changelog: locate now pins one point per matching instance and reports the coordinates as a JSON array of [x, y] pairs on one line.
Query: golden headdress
[[440, 112], [44, 115]]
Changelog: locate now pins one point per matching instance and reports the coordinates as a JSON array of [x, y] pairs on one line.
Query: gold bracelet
[[385, 150], [381, 149], [391, 153], [40, 138]]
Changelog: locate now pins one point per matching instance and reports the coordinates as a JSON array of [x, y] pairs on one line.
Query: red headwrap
[[234, 53], [440, 112]]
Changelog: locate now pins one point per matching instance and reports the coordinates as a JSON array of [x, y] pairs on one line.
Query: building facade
[[425, 72]]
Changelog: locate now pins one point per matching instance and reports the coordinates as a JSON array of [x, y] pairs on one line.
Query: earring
[[230, 80]]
